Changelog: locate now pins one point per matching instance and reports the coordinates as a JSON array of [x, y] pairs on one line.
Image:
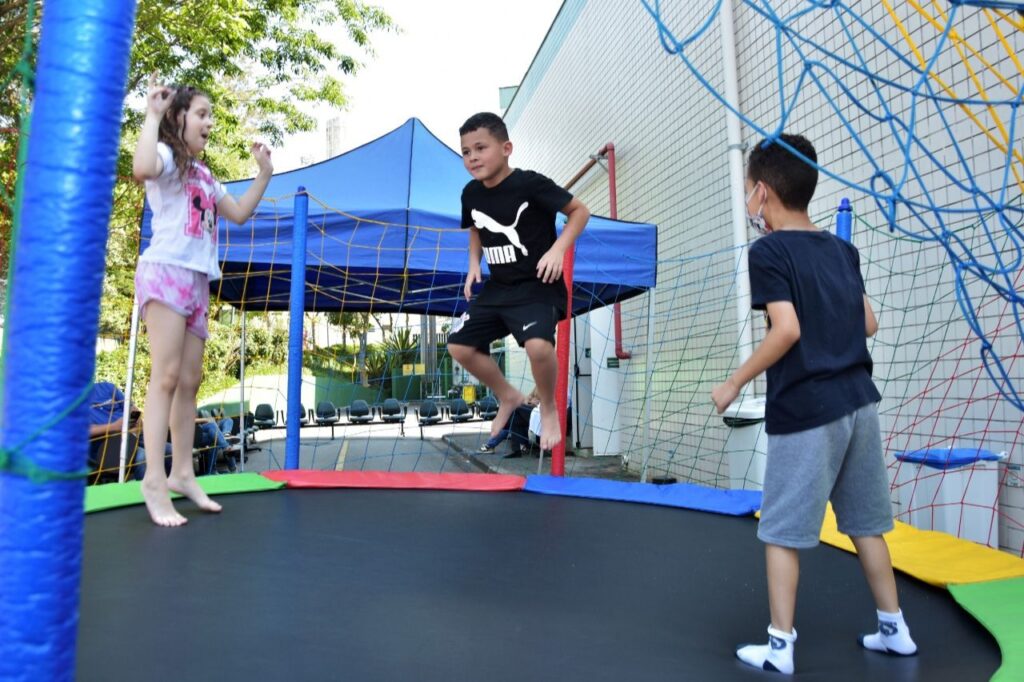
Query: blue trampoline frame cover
[[384, 236]]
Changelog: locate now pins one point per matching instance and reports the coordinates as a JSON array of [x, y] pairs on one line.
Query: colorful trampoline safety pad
[[999, 606], [113, 495], [682, 495], [398, 480], [936, 558]]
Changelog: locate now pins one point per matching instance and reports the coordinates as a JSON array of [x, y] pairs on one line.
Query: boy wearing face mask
[[824, 441]]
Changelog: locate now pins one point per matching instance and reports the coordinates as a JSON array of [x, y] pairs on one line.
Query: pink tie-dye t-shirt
[[184, 217]]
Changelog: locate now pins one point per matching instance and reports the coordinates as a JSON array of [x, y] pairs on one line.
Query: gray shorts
[[841, 461]]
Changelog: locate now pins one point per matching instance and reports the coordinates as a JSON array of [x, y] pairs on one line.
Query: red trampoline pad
[[297, 478]]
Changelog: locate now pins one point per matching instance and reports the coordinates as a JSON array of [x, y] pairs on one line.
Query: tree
[[261, 62], [347, 322]]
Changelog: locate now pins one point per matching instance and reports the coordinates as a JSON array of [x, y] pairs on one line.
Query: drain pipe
[[745, 344], [608, 152]]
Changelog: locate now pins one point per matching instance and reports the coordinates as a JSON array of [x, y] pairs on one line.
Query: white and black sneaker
[[775, 656], [893, 636]]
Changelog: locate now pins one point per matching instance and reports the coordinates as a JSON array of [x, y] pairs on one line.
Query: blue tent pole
[[296, 311], [844, 220], [55, 288]]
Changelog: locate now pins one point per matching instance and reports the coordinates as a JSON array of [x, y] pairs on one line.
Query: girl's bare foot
[[550, 429], [505, 410], [189, 487], [158, 502]]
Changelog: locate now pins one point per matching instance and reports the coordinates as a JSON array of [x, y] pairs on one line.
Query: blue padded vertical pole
[[296, 312], [844, 220], [55, 290]]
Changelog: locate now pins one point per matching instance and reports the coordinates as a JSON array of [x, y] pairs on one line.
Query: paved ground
[[499, 462], [444, 447]]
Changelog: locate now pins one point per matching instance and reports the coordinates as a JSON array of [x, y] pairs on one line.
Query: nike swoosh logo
[[527, 326]]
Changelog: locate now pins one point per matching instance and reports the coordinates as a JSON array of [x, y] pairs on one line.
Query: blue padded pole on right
[[296, 312], [844, 220]]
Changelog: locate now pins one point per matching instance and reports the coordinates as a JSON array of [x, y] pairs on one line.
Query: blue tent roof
[[384, 236]]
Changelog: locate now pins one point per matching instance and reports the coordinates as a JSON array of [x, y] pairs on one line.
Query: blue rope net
[[933, 103]]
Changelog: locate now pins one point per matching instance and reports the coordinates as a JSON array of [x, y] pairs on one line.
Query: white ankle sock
[[893, 636], [776, 655]]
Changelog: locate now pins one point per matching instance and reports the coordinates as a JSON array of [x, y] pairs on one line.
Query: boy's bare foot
[[158, 502], [550, 429], [505, 410], [189, 487]]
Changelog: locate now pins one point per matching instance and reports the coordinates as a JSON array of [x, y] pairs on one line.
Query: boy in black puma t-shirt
[[511, 219]]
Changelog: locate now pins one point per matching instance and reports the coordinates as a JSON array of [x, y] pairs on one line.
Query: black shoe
[[515, 454]]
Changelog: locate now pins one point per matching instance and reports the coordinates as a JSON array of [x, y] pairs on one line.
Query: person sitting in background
[[214, 436], [516, 427], [536, 423], [106, 419]]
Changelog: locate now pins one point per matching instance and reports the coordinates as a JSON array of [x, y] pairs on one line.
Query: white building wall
[[603, 76]]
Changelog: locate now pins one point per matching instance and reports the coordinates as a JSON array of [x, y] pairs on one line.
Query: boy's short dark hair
[[792, 179], [486, 119]]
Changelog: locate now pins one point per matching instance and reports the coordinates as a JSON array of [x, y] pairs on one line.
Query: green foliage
[[378, 368], [266, 346], [263, 62], [334, 362], [112, 366], [400, 347], [352, 324]]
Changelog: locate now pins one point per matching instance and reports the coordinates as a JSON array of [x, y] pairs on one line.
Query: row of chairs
[[457, 411], [391, 411], [327, 414]]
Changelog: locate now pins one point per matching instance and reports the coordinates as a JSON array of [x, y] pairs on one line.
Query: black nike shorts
[[482, 324]]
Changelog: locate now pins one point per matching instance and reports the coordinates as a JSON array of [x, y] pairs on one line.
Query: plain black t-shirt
[[516, 223], [827, 373]]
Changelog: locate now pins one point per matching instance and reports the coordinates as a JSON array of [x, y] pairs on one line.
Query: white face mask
[[756, 222]]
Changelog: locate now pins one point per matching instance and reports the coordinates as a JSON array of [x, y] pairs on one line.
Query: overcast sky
[[447, 63]]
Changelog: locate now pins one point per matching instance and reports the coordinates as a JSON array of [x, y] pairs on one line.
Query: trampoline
[[447, 585]]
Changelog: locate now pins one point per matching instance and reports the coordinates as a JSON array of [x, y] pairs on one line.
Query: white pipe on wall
[[727, 31]]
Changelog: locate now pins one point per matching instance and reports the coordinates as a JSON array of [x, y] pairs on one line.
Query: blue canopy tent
[[383, 236]]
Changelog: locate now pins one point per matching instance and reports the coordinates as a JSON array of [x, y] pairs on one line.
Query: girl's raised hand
[[159, 98], [261, 153]]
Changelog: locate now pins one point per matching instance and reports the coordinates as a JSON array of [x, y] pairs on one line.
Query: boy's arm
[[783, 335], [475, 252], [870, 321], [549, 267]]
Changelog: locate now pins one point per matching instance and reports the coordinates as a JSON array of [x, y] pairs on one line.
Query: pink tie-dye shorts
[[186, 292]]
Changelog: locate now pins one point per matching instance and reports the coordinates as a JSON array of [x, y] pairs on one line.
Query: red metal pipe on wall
[[608, 152], [613, 209], [562, 385]]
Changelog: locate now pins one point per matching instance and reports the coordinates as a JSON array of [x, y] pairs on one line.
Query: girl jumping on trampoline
[[172, 279]]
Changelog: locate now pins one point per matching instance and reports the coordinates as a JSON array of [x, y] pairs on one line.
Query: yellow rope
[[1002, 39], [1010, 19], [1001, 145]]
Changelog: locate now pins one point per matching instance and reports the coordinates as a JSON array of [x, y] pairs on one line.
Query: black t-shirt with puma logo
[[516, 223]]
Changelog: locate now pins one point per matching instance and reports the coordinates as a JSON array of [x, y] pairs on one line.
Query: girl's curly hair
[[172, 135]]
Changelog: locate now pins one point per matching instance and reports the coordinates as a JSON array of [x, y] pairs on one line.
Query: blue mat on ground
[[684, 495]]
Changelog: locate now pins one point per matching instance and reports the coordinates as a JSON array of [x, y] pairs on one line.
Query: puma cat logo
[[486, 222]]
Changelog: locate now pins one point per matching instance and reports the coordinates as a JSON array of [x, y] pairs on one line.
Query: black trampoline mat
[[435, 585]]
